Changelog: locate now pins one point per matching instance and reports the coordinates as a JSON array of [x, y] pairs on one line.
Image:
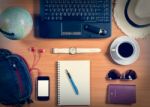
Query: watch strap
[[60, 50], [88, 50], [78, 50]]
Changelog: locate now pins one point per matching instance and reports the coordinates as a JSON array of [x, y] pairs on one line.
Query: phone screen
[[43, 88]]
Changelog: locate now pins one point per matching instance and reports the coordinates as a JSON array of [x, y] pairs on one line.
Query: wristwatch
[[75, 50]]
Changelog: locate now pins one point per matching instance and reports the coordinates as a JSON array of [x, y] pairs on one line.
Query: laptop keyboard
[[76, 10]]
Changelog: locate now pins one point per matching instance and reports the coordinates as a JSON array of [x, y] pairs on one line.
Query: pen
[[72, 82]]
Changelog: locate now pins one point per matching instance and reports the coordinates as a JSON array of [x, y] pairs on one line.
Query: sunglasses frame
[[121, 76]]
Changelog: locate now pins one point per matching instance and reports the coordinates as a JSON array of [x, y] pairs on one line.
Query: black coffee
[[125, 49]]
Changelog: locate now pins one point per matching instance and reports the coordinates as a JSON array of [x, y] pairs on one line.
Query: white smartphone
[[43, 90]]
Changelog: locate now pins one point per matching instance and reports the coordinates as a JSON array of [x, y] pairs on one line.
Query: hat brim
[[123, 23]]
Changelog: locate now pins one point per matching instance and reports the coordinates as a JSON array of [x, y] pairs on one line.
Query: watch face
[[72, 51]]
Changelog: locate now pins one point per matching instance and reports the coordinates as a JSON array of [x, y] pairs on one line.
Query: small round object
[[32, 49], [72, 51], [41, 50], [14, 65]]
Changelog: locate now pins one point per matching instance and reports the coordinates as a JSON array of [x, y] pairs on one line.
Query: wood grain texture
[[101, 63]]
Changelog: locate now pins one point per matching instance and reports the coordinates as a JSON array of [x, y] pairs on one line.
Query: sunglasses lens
[[130, 75], [113, 75]]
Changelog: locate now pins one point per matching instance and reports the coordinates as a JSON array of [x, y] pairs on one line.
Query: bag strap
[[4, 52], [29, 101]]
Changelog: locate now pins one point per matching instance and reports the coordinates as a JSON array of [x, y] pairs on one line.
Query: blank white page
[[80, 73]]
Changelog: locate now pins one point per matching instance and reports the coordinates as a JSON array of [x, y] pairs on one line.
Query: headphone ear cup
[[32, 49], [41, 50]]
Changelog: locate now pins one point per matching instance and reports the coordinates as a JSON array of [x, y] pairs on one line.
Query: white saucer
[[125, 61]]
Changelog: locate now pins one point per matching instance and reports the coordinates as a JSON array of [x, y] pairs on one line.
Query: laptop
[[74, 19]]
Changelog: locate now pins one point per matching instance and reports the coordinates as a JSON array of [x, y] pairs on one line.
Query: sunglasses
[[128, 75]]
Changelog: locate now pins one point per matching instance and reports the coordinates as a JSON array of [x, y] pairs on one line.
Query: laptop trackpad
[[70, 28]]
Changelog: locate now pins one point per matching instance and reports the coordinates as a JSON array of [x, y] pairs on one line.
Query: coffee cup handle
[[113, 50]]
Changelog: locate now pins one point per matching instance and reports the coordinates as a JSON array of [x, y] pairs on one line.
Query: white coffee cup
[[124, 50], [116, 49]]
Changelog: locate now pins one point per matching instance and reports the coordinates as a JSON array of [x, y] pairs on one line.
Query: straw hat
[[133, 17]]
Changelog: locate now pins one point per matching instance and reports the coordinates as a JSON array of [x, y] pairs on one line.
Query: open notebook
[[80, 73]]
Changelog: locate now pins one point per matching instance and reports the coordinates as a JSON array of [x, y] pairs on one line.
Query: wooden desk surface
[[101, 63]]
